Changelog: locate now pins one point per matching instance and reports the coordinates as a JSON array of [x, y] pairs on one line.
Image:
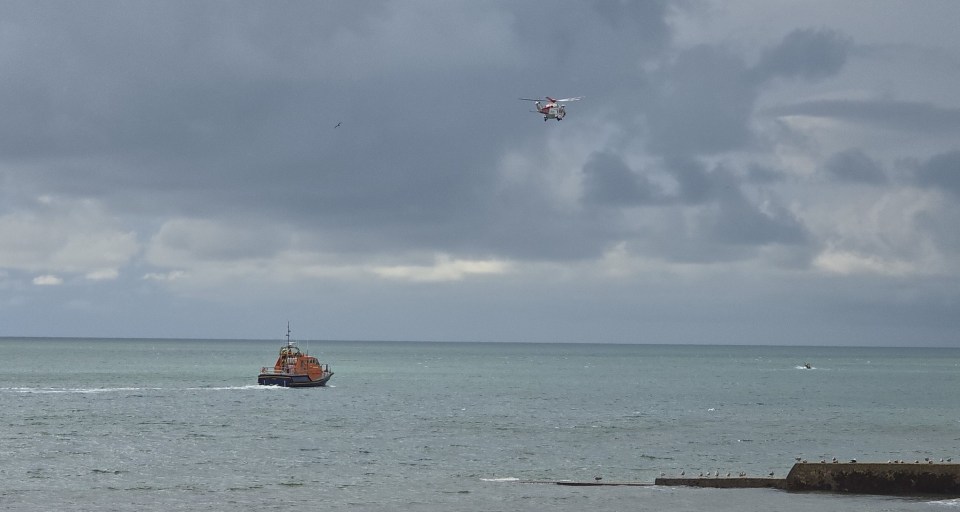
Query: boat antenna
[[288, 333]]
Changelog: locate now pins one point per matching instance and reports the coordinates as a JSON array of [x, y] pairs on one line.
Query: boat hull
[[292, 381]]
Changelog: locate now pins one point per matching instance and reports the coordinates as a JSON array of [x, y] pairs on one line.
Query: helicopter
[[551, 109]]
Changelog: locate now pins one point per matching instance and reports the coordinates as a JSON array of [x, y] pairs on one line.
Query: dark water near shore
[[178, 424]]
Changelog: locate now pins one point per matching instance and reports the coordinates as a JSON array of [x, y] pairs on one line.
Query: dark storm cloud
[[728, 216], [715, 218], [705, 97], [696, 184], [608, 180], [809, 54], [922, 117], [196, 141], [186, 108], [854, 166], [941, 172], [736, 221]]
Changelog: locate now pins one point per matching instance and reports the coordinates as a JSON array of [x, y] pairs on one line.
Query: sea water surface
[[151, 425]]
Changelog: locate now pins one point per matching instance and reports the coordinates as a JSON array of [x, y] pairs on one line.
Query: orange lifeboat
[[294, 368]]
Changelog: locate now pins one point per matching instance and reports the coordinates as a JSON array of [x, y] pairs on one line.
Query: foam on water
[[952, 503], [73, 390]]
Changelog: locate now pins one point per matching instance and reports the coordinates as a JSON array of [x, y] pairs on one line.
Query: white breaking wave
[[954, 503], [75, 390], [131, 389], [505, 479]]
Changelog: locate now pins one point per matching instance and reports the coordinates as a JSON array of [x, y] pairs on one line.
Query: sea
[[166, 425]]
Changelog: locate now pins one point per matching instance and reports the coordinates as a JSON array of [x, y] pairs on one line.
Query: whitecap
[[954, 502], [504, 479], [75, 390], [230, 388]]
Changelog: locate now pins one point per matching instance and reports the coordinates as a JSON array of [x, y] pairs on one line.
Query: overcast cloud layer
[[738, 172]]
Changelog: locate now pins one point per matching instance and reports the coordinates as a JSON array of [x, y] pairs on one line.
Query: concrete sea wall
[[726, 483], [902, 479], [876, 478]]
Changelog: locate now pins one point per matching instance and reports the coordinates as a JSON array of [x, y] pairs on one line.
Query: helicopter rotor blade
[[577, 98]]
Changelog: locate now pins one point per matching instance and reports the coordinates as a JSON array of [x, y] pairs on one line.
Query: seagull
[[338, 124], [770, 473], [598, 478]]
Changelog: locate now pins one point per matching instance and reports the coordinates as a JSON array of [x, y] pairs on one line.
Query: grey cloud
[[737, 222], [922, 117], [696, 184], [647, 18], [702, 104], [763, 175], [704, 99], [942, 172], [712, 219], [728, 217], [805, 53], [220, 116], [854, 166], [609, 181]]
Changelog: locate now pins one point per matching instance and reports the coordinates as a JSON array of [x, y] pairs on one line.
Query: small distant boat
[[294, 369], [807, 366]]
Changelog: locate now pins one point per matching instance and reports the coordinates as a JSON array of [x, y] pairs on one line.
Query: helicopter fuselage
[[551, 111]]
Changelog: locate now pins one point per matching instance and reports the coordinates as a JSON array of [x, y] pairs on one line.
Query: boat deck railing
[[270, 370]]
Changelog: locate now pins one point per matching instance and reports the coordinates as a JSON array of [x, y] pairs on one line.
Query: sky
[[738, 171]]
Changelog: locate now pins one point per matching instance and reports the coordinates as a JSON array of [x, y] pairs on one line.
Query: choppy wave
[[53, 390]]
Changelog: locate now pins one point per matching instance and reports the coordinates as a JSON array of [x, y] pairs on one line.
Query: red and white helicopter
[[551, 109]]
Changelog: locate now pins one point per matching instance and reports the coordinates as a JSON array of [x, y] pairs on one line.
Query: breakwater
[[726, 483], [902, 479], [876, 478]]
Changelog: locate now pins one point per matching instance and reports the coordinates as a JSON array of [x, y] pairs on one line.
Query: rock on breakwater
[[876, 478], [902, 479]]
